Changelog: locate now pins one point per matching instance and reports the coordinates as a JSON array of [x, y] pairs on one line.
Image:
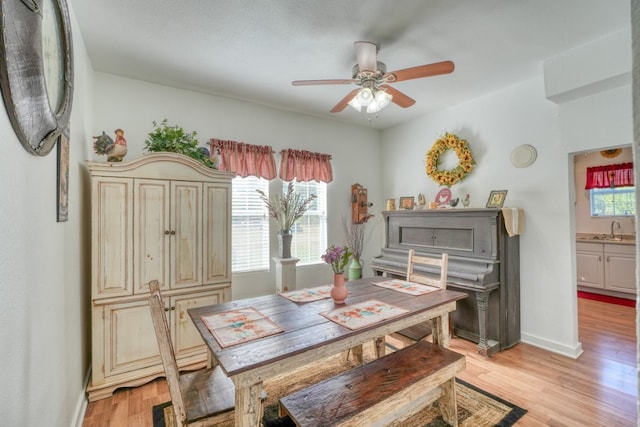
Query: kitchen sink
[[605, 238]]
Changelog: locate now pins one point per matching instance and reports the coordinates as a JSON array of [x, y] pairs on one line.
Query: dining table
[[298, 332]]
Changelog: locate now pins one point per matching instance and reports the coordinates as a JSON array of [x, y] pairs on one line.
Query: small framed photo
[[406, 202], [496, 198]]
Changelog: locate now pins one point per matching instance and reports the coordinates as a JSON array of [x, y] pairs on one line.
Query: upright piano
[[484, 262]]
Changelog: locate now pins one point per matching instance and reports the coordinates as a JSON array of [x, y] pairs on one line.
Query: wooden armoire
[[165, 217]]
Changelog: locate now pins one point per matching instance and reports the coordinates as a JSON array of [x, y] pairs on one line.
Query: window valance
[[304, 165], [244, 159], [619, 175]]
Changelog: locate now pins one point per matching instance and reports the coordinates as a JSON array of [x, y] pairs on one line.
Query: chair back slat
[[441, 263], [163, 336]]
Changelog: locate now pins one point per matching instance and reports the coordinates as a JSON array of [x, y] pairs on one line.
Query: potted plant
[[175, 140], [286, 210]]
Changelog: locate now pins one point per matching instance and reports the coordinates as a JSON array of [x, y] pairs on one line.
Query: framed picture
[[496, 198], [406, 202]]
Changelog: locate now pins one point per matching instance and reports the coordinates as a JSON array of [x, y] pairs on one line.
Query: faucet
[[613, 222]]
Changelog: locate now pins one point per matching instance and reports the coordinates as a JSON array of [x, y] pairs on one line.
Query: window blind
[[250, 225]]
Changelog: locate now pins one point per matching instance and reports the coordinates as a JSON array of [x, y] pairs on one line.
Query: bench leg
[[447, 402]]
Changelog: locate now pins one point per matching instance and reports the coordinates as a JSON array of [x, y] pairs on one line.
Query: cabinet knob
[[166, 231], [173, 232], [166, 309]]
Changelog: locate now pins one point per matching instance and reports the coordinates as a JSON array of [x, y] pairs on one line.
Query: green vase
[[355, 269]]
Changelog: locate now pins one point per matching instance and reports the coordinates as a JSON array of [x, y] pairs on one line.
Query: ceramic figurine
[[115, 151], [466, 200], [454, 202]]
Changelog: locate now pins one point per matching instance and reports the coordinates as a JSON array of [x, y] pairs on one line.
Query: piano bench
[[391, 388]]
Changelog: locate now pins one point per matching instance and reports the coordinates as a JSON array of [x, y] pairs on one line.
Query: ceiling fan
[[374, 92]]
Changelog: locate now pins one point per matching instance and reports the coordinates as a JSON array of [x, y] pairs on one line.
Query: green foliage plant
[[175, 140]]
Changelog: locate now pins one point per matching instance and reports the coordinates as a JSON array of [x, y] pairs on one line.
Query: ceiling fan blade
[[366, 53], [344, 102], [398, 97], [435, 69], [322, 82]]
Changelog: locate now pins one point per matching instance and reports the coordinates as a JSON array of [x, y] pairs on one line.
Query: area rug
[[476, 408], [608, 299]]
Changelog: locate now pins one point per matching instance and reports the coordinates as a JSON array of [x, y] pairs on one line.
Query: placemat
[[363, 314], [307, 295], [238, 326], [407, 287]]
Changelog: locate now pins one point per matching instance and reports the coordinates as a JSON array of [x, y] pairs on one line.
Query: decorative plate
[[443, 197], [523, 156]]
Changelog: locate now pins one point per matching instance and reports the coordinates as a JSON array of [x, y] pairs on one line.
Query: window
[[250, 225], [310, 231], [620, 201]]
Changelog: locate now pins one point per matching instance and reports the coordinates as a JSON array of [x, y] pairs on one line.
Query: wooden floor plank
[[599, 388]]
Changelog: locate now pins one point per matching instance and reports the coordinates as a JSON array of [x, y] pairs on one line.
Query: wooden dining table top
[[306, 330]]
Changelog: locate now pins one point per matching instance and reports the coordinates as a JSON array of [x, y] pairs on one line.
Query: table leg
[[249, 405], [380, 344], [212, 362], [440, 330], [357, 354]]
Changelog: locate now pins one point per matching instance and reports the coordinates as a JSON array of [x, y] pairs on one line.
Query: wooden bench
[[391, 388]]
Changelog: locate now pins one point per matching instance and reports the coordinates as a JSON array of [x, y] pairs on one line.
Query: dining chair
[[199, 398], [422, 330]]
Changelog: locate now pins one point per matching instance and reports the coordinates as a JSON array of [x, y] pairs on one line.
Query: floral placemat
[[363, 314], [238, 326], [307, 295], [407, 287]]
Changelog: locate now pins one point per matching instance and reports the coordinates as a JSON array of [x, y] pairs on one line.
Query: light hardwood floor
[[597, 389]]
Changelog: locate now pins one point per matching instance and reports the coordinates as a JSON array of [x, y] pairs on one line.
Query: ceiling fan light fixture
[[364, 96], [370, 100], [381, 100]]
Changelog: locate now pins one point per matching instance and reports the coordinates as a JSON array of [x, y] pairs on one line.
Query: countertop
[[619, 239]]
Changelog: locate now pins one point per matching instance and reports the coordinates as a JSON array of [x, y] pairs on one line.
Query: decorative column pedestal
[[285, 274]]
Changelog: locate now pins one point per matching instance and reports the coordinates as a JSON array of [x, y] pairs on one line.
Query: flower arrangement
[[288, 209], [465, 160], [338, 257]]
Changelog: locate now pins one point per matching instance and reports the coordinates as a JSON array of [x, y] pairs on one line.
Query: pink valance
[[304, 165], [244, 159], [620, 175]]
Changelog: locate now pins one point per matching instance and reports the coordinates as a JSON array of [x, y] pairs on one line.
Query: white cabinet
[[162, 217], [606, 267], [620, 268], [590, 264]]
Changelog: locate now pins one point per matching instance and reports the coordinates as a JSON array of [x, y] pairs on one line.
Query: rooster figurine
[[465, 200], [115, 151]]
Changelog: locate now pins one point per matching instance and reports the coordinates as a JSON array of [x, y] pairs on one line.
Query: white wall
[[133, 105], [494, 125], [44, 264]]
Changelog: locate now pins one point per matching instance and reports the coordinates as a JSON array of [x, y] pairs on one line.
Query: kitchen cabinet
[[607, 268], [590, 264], [162, 217], [620, 268]]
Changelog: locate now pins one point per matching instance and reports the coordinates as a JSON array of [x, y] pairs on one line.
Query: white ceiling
[[252, 49]]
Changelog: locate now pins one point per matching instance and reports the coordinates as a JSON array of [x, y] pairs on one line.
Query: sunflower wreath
[[465, 160]]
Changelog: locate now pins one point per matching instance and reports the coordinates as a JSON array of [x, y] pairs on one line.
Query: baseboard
[[555, 347], [81, 406]]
